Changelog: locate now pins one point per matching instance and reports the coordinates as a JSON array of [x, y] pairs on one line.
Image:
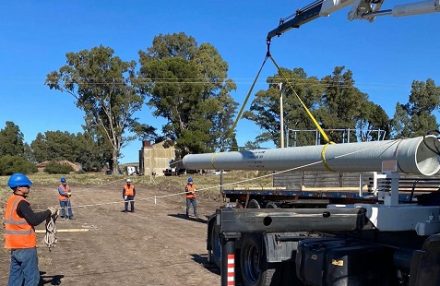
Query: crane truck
[[377, 238]]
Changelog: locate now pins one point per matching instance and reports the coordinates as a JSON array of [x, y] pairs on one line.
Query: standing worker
[[190, 194], [19, 221], [64, 197], [128, 193]]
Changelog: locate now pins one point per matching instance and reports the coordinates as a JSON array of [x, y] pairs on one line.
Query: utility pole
[[280, 85]]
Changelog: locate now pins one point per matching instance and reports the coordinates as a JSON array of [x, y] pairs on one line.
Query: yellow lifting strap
[[324, 160], [315, 122]]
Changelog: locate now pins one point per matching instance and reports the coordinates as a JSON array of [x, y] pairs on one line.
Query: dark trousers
[[190, 202], [130, 199], [24, 267]]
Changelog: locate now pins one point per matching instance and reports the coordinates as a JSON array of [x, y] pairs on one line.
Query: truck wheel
[[271, 205], [215, 255], [253, 204], [255, 270]]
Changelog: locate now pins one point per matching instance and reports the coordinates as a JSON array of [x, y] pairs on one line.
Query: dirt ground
[[155, 245]]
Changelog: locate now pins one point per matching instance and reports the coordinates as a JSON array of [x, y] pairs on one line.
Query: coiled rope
[[51, 230]]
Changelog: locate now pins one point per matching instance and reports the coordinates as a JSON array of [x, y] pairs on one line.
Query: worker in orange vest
[[65, 193], [19, 221], [190, 194], [128, 193]]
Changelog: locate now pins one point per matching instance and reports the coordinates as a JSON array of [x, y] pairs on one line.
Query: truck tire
[[253, 204], [271, 205], [215, 255], [254, 268]]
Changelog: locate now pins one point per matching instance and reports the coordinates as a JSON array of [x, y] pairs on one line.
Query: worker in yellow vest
[[190, 195], [128, 193], [19, 221]]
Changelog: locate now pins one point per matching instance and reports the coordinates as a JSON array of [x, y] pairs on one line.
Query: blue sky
[[385, 56]]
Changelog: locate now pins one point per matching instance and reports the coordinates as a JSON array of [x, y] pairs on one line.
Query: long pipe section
[[418, 155]]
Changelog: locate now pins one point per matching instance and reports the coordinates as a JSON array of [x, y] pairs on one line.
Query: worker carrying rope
[[19, 221]]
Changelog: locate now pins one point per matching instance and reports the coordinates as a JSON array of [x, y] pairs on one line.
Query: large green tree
[[11, 140], [102, 85], [343, 105], [416, 117], [54, 145], [187, 84], [83, 148]]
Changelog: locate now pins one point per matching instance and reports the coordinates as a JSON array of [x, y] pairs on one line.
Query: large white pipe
[[416, 155]]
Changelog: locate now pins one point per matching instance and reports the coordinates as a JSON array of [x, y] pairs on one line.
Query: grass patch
[[171, 184]]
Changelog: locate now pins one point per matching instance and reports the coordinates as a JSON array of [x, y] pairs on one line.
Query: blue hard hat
[[19, 180], [190, 179], [63, 180]]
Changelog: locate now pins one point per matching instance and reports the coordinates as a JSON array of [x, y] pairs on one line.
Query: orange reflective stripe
[[19, 232], [14, 222]]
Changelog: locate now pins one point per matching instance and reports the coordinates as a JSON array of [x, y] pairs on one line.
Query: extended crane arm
[[361, 9]]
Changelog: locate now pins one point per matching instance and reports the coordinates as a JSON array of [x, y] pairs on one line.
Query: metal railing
[[346, 134]]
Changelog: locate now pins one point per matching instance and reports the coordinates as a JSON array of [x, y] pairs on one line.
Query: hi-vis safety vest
[[190, 190], [129, 190], [18, 232], [65, 189]]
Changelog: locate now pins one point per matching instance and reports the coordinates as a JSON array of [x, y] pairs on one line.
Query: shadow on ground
[[49, 279], [203, 259], [183, 216]]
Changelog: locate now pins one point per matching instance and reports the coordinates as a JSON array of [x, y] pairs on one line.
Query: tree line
[[187, 84], [336, 102]]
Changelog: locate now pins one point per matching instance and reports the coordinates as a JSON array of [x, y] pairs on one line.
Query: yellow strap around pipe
[[323, 159]]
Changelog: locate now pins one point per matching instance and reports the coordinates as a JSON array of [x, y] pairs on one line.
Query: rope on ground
[[51, 229]]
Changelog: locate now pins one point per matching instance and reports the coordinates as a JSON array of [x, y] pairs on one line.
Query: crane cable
[[230, 131], [280, 71], [240, 113], [309, 114]]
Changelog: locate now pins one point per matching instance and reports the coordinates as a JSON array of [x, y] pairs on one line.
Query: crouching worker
[[19, 221]]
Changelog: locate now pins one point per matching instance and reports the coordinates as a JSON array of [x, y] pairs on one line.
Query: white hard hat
[[128, 181]]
